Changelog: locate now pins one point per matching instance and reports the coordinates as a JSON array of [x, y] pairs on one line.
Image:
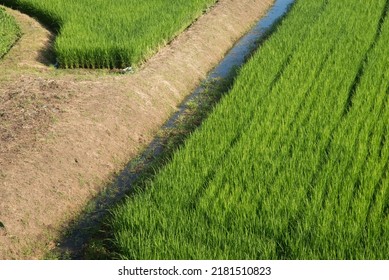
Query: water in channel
[[80, 232]]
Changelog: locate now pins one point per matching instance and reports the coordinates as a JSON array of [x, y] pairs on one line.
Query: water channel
[[81, 231]]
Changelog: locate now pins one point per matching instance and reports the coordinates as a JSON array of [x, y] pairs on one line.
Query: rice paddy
[[9, 32], [106, 34], [292, 163]]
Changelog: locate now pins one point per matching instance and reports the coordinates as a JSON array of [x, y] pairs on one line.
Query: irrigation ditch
[[87, 237]]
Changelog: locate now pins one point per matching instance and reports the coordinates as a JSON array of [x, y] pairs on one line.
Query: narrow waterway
[[82, 230]]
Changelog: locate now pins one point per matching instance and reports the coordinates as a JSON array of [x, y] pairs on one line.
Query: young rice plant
[[9, 32], [293, 162], [108, 34]]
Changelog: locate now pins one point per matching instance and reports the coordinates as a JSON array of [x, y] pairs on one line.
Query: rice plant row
[[9, 32], [292, 163], [109, 34]]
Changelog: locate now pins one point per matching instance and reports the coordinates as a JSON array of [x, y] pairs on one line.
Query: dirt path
[[64, 133]]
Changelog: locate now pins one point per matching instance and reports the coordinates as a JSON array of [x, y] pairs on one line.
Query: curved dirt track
[[64, 133]]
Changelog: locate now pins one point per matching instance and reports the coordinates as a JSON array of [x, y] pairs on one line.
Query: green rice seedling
[[108, 34], [9, 32], [292, 163]]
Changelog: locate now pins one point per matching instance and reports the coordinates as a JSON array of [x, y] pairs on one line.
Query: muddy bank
[[64, 133]]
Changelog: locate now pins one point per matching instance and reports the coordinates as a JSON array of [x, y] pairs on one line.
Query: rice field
[[111, 34], [292, 163], [9, 32]]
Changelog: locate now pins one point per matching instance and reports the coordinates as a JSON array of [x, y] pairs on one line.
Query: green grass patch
[[9, 32], [292, 163], [107, 34]]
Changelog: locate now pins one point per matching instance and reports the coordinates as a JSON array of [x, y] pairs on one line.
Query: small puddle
[[80, 232]]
